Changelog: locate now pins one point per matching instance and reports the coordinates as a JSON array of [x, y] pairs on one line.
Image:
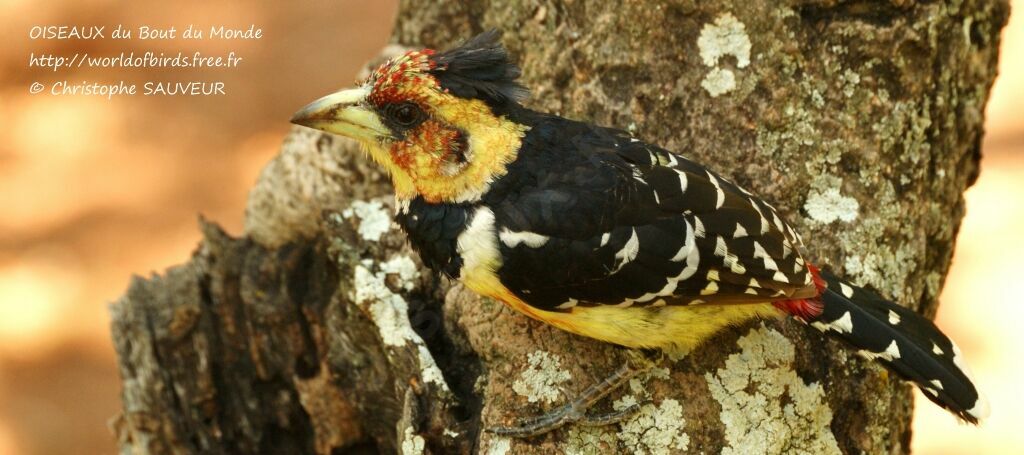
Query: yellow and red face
[[435, 144]]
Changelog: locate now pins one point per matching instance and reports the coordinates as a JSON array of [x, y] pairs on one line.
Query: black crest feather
[[480, 68]]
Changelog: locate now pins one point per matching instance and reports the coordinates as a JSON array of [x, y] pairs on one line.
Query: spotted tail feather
[[902, 340]]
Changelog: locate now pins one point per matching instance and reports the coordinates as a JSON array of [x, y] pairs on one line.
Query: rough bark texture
[[321, 332]]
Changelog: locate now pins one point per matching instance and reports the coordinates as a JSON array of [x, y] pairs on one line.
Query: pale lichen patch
[[766, 406], [727, 36], [374, 221], [390, 311], [541, 380], [589, 440], [499, 446], [404, 267], [830, 205], [654, 429], [412, 443], [719, 81]]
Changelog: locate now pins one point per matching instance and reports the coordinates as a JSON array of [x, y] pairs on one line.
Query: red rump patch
[[806, 309]]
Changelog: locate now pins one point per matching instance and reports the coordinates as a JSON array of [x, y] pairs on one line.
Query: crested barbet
[[599, 233]]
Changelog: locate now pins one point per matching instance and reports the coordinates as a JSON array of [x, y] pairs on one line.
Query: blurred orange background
[[93, 190]]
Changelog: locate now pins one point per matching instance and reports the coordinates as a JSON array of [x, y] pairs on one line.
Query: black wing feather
[[592, 191]]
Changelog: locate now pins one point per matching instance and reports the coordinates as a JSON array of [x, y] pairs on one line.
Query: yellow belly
[[670, 328]]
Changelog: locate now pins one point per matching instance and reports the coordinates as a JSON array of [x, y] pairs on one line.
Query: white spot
[[981, 409], [766, 406], [711, 288], [958, 360], [890, 353], [780, 277], [936, 349], [628, 252], [540, 381], [846, 290], [698, 228], [478, 244], [740, 231], [894, 318], [412, 443], [682, 180], [605, 237], [672, 162], [568, 304], [778, 222], [688, 245], [843, 324], [690, 253], [797, 266], [751, 291], [721, 249], [937, 383], [667, 290], [831, 206], [659, 302], [764, 221], [893, 351], [769, 263], [402, 204], [713, 275], [727, 36], [374, 221], [719, 194], [730, 260], [638, 176], [513, 239]]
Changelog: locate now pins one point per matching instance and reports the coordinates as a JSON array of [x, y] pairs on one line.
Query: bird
[[599, 233]]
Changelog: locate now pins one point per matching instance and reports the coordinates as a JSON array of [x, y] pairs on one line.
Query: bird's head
[[434, 120]]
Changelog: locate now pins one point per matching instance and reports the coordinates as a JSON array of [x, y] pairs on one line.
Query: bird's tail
[[902, 340]]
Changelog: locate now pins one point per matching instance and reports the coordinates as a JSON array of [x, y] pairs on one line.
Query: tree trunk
[[321, 332]]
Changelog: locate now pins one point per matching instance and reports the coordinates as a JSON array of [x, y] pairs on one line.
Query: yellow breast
[[671, 328]]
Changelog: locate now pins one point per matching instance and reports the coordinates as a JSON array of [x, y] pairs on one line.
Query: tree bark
[[319, 331]]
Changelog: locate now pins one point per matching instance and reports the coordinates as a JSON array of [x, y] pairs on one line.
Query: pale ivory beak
[[343, 113]]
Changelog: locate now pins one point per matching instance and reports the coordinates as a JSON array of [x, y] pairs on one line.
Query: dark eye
[[406, 115]]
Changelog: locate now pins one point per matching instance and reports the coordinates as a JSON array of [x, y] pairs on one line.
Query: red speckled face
[[413, 105], [403, 78], [433, 143]]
